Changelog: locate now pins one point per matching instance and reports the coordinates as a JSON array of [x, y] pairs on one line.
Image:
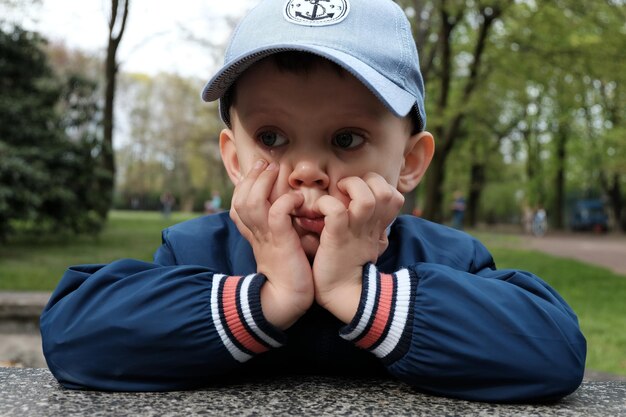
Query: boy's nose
[[308, 174]]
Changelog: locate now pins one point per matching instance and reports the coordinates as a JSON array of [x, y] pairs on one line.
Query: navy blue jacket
[[434, 313]]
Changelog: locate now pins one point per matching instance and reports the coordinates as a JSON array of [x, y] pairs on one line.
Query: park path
[[608, 251]]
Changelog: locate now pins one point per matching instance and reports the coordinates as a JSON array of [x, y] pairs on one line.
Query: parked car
[[589, 215]]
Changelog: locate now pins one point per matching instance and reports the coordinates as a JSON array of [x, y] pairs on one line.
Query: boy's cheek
[[275, 194], [279, 189]]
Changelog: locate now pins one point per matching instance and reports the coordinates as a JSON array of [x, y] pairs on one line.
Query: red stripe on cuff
[[382, 313], [234, 321]]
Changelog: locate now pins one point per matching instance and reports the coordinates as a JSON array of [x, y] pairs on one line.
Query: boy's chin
[[310, 242]]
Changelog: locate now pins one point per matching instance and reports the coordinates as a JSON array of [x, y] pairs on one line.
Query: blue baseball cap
[[371, 39]]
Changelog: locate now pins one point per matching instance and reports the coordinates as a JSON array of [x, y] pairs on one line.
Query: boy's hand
[[352, 237], [288, 292]]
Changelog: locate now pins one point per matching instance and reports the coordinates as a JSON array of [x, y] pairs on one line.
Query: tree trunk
[[559, 181], [447, 132], [434, 195], [110, 71], [477, 183], [108, 156], [435, 175], [614, 192], [536, 193], [616, 202]]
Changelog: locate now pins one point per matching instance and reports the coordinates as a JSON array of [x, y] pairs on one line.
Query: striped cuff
[[238, 317], [383, 321]]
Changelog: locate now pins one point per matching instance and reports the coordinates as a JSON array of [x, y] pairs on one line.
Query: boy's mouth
[[309, 222]]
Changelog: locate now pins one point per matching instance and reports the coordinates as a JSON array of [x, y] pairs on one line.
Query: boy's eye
[[347, 140], [271, 139]]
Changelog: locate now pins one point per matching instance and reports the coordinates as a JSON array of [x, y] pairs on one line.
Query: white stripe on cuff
[[237, 353], [247, 314], [372, 286], [400, 315]]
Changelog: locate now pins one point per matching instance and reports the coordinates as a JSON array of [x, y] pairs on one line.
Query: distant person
[[167, 203], [214, 205], [313, 270], [540, 222], [458, 210]]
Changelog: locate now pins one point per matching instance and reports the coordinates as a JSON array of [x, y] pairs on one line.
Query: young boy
[[313, 271]]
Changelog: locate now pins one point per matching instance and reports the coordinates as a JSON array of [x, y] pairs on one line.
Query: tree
[[539, 63], [573, 97], [603, 123], [452, 38], [46, 176], [117, 25], [173, 142]]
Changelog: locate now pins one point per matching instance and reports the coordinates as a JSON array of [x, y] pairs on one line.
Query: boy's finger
[[242, 190], [254, 172], [257, 203], [336, 219], [261, 189], [389, 200], [279, 218], [243, 229], [362, 200], [251, 201]]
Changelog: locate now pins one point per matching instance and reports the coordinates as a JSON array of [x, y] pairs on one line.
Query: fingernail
[[271, 166], [259, 164]]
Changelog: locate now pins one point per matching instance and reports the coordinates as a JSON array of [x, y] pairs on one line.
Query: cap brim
[[395, 98]]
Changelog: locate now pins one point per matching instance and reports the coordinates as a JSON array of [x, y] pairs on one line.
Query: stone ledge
[[16, 304], [20, 311], [35, 392]]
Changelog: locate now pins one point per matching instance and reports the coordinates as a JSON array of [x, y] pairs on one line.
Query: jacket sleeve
[[137, 326], [484, 334]]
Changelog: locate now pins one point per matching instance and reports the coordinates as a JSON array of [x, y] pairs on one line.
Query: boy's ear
[[417, 156], [228, 151]]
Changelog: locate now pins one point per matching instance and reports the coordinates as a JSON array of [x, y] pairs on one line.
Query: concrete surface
[[34, 392]]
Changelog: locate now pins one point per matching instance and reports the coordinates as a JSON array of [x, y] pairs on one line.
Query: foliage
[[48, 144], [541, 89], [526, 100], [562, 86], [174, 143]]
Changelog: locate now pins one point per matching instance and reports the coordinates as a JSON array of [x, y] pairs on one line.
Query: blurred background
[[104, 139], [525, 99]]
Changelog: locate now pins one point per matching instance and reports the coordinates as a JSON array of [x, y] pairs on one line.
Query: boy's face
[[318, 127]]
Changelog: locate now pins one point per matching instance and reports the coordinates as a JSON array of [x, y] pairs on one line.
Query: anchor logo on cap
[[316, 12]]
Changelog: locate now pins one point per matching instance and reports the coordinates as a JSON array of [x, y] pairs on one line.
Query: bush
[[49, 179]]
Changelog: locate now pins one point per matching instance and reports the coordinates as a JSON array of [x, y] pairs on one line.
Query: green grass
[[596, 294], [37, 265]]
